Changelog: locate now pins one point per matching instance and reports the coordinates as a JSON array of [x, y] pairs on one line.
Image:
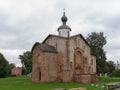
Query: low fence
[[112, 86]]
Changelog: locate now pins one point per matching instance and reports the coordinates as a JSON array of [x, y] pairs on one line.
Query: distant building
[[63, 58], [16, 71]]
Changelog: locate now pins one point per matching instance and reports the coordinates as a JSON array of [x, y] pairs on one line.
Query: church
[[63, 58]]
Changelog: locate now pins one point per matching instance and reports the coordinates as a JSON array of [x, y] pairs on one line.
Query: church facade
[[63, 58]]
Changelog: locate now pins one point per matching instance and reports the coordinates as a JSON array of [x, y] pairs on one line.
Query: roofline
[[67, 38], [82, 38], [34, 46], [53, 36], [17, 68], [37, 43], [85, 40]]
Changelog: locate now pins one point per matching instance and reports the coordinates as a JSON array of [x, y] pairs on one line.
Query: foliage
[[3, 66], [97, 41], [108, 79], [111, 66], [9, 67], [26, 60], [116, 73]]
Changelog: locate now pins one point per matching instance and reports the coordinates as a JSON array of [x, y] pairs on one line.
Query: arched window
[[39, 58]]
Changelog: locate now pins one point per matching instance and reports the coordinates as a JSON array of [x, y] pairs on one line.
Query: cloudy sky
[[23, 22]]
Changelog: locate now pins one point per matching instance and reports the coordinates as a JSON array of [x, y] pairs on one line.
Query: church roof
[[45, 47], [82, 38], [16, 68], [53, 36], [48, 48], [67, 38]]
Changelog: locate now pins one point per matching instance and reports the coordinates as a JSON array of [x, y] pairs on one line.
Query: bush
[[116, 73], [9, 75]]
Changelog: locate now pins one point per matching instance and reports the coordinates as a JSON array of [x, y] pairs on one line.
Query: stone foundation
[[94, 78], [85, 78]]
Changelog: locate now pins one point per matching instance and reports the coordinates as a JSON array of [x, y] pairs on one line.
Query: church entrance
[[39, 74]]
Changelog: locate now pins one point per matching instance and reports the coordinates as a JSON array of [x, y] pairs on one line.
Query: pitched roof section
[[82, 38], [67, 38], [48, 48], [45, 47], [53, 36]]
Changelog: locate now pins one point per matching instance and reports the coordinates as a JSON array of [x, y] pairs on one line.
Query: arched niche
[[78, 59], [39, 58]]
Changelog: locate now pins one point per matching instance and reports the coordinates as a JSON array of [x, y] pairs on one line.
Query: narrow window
[[39, 75], [56, 45], [60, 68]]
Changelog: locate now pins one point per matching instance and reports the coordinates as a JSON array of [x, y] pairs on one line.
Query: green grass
[[25, 83]]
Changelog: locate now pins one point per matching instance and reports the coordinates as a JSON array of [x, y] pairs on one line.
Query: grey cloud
[[28, 31], [112, 22], [37, 20]]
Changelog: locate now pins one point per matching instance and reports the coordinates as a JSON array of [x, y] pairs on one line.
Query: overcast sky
[[23, 22]]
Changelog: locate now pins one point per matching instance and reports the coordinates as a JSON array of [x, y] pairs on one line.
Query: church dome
[[64, 20]]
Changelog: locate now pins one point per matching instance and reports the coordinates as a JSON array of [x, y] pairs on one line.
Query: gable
[[80, 35], [44, 47], [51, 35]]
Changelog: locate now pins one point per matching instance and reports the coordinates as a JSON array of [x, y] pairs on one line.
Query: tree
[[111, 66], [116, 73], [26, 60], [3, 66], [97, 41], [9, 67]]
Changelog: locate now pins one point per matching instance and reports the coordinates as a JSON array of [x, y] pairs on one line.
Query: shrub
[[116, 73], [9, 75]]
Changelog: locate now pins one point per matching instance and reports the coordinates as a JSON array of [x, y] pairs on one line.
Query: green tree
[[9, 67], [116, 73], [97, 41], [26, 60], [111, 66], [3, 66]]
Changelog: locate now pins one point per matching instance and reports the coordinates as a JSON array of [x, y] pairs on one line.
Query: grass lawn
[[25, 83]]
